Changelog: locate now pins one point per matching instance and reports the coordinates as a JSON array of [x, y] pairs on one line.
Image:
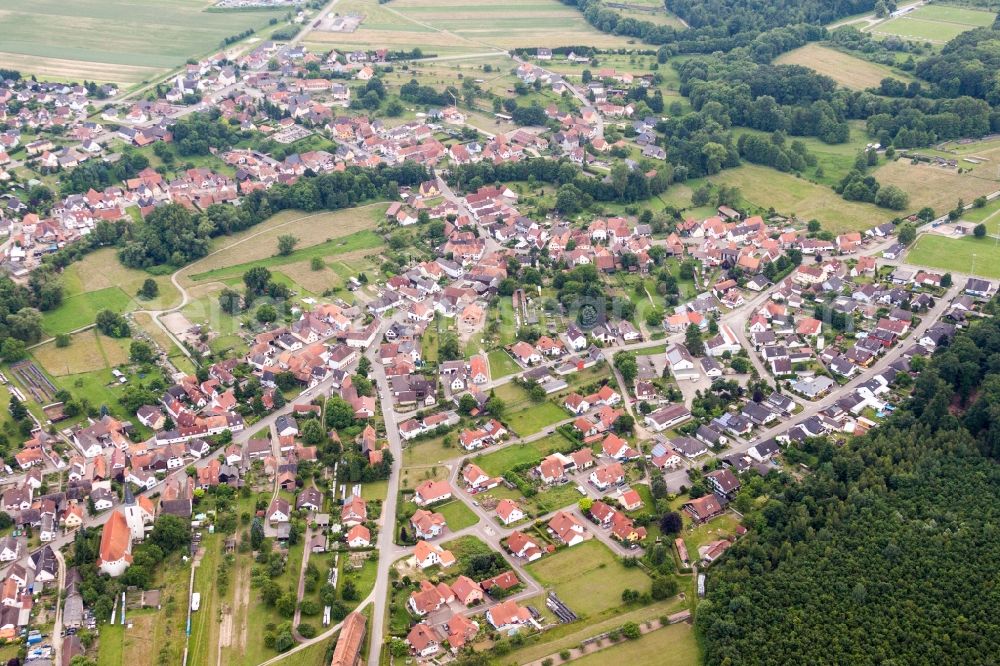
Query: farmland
[[452, 27], [937, 187], [847, 70], [259, 244], [934, 23], [763, 187], [122, 41], [957, 254], [675, 645]]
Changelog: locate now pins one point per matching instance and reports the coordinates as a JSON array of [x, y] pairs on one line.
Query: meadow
[[847, 70], [121, 41], [934, 23], [572, 572], [962, 255], [675, 645], [937, 187], [455, 27]]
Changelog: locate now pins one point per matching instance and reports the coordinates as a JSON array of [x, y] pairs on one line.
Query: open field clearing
[[764, 187], [934, 23], [937, 187], [150, 35], [260, 243], [81, 310], [452, 27], [847, 70], [962, 255], [572, 571], [87, 352], [102, 270], [675, 645], [72, 71]]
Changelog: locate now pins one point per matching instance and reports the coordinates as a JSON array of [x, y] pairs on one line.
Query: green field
[[501, 364], [572, 572], [934, 23], [956, 254], [115, 40], [450, 27], [674, 645], [457, 514]]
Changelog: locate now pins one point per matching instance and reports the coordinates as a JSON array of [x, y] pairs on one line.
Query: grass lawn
[[429, 451], [847, 70], [571, 635], [501, 364], [314, 655], [501, 461], [81, 310], [956, 254], [204, 628], [934, 23], [698, 535], [572, 572], [458, 515], [110, 647], [537, 417], [374, 490], [675, 645]]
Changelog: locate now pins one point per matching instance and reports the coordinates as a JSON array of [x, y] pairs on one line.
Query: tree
[[663, 587], [626, 365], [693, 341], [256, 534], [140, 352], [312, 432], [980, 230], [231, 301], [585, 504], [112, 324], [339, 413], [12, 350], [63, 340], [892, 197], [316, 264], [906, 233], [256, 280], [170, 533], [671, 523], [17, 409], [266, 313], [286, 243], [631, 631], [946, 280], [467, 403], [149, 289]]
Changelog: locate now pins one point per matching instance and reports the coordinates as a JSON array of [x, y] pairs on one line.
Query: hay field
[[933, 186], [934, 23], [453, 27], [764, 187], [847, 70], [87, 352], [260, 242], [115, 40]]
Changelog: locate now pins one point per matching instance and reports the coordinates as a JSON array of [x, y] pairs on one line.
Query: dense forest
[[886, 552]]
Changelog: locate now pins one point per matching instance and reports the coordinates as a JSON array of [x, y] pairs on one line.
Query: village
[[517, 402]]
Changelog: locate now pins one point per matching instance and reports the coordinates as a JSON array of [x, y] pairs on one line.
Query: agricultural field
[[675, 645], [455, 27], [764, 188], [937, 187], [934, 23], [325, 234], [571, 572], [121, 41], [97, 282], [847, 70], [88, 351], [957, 254]]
